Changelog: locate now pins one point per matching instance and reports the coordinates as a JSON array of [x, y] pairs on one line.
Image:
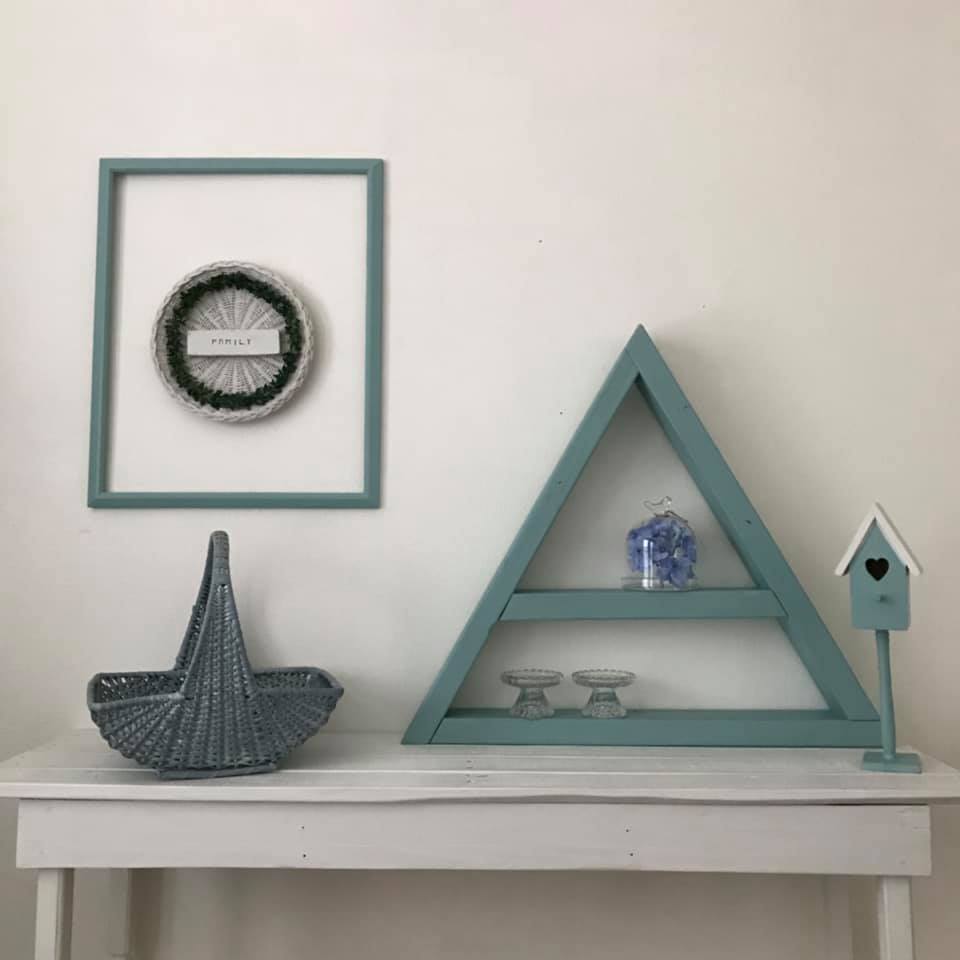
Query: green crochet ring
[[176, 342]]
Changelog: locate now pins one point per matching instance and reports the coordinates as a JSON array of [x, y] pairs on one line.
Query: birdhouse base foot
[[898, 763]]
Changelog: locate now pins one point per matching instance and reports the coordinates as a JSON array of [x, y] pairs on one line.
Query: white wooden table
[[363, 801]]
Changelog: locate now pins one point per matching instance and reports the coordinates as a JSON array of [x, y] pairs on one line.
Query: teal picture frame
[[99, 494]]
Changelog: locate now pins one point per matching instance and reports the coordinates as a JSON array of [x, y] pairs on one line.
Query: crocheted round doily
[[230, 295]]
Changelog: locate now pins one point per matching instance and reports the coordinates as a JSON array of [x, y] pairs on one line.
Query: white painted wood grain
[[443, 835], [361, 768], [54, 914], [356, 801], [895, 916]]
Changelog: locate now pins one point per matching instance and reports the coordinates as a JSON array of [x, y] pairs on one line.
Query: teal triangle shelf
[[850, 718]]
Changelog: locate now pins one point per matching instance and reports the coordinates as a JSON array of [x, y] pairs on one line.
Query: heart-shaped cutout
[[877, 567]]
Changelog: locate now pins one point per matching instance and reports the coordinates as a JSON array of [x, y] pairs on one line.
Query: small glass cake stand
[[604, 704], [532, 703]]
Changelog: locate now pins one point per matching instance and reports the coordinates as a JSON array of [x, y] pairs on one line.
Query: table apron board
[[873, 840]]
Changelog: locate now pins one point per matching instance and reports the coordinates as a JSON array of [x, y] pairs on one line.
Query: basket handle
[[214, 653], [216, 571], [219, 553]]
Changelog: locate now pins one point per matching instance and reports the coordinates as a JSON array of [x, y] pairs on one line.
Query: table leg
[[118, 929], [54, 913], [896, 918]]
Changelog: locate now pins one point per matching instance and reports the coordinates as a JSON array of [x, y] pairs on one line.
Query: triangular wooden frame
[[850, 719]]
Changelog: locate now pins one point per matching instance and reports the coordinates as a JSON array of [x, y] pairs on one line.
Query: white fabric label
[[232, 343]]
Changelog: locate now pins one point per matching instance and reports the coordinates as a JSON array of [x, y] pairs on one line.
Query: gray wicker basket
[[212, 715]]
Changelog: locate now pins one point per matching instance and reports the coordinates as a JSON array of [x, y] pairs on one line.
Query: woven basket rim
[[332, 689], [159, 351]]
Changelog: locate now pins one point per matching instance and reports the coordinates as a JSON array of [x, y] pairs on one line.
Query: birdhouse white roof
[[889, 531]]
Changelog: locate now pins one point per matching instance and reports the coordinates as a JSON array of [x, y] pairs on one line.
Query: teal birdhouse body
[[879, 585], [879, 565]]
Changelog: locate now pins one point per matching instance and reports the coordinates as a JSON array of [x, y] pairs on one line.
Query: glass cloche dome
[[661, 551]]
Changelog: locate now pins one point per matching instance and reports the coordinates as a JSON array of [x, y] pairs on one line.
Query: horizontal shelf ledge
[[663, 728], [706, 604]]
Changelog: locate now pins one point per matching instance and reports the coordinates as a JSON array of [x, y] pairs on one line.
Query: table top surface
[[366, 767]]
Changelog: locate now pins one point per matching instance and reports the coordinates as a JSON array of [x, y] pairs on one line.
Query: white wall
[[769, 186]]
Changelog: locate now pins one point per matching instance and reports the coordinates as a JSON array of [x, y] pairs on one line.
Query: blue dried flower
[[665, 548]]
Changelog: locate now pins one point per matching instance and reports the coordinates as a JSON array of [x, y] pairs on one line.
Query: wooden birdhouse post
[[879, 565]]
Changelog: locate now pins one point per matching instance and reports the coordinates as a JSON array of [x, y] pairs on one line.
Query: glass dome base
[[638, 581]]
